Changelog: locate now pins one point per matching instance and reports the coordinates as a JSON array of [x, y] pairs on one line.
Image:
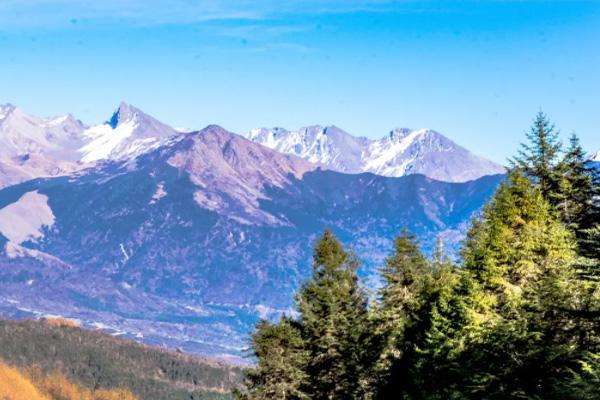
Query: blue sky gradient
[[476, 71]]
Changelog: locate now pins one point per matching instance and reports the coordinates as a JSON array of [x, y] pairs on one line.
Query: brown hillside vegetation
[[64, 361], [22, 385], [15, 386]]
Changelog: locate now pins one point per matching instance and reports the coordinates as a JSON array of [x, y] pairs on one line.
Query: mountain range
[[185, 239], [399, 153]]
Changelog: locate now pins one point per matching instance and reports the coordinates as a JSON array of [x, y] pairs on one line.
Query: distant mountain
[[22, 134], [126, 135], [191, 244], [31, 146], [401, 152]]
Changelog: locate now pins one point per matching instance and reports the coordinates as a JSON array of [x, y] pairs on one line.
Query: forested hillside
[[517, 318], [50, 352], [30, 384]]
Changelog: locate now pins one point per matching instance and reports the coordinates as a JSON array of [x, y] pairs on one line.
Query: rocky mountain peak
[[124, 113], [233, 172], [5, 110], [127, 134], [399, 133]]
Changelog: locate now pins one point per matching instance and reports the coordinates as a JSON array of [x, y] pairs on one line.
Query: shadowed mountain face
[[199, 238]]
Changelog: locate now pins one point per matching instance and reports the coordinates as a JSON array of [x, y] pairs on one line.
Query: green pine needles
[[517, 318]]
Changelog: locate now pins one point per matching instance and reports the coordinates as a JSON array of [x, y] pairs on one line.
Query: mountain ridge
[[62, 145], [130, 248], [402, 151]]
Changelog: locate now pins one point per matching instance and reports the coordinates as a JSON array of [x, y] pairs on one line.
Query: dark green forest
[[516, 316]]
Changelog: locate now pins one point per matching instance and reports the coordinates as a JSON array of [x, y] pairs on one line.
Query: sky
[[476, 71]]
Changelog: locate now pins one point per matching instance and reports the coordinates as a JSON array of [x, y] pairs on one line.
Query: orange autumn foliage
[[58, 387], [61, 322], [17, 385]]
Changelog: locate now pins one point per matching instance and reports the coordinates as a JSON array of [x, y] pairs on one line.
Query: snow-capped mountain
[[22, 134], [596, 157], [197, 239], [126, 135], [31, 146], [401, 152]]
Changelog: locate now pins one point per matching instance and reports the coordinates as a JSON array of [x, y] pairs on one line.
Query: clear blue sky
[[476, 71]]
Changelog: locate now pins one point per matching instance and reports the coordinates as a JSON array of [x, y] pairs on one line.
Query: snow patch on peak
[[382, 154], [596, 157], [104, 139], [57, 120], [126, 135]]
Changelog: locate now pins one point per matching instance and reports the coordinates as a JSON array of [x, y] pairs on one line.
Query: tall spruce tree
[[519, 255], [281, 363], [405, 274], [517, 234], [335, 324], [421, 318], [577, 201], [438, 340], [539, 157]]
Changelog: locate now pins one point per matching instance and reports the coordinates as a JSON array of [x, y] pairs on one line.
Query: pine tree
[[334, 319], [446, 323], [405, 274], [520, 257], [538, 158], [422, 318], [281, 363], [577, 202], [515, 236]]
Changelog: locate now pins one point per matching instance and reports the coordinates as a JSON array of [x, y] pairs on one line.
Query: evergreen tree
[[517, 321], [405, 274], [445, 325], [538, 158], [335, 324], [520, 257], [576, 198], [517, 234], [421, 319], [280, 372]]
